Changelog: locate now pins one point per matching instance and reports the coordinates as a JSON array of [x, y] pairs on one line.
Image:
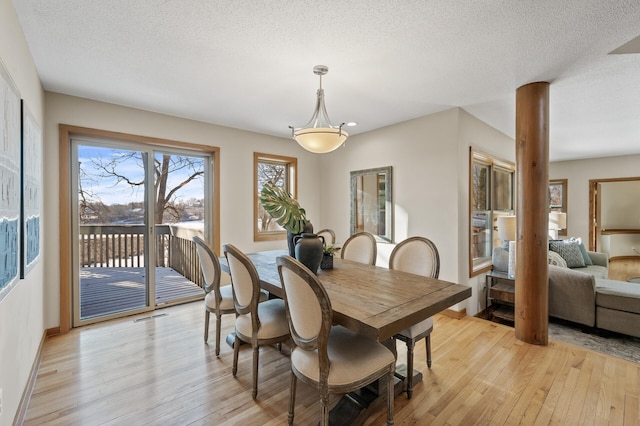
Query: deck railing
[[120, 246]]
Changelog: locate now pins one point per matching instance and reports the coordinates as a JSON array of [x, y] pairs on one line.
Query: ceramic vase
[[308, 250]]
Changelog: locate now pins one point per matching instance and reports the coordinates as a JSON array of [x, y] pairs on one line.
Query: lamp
[[319, 135], [557, 221], [506, 229], [507, 233]]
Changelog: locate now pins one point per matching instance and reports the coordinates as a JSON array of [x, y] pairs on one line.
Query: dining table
[[374, 301]]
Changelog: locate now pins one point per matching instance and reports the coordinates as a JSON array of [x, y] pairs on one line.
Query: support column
[[532, 210]]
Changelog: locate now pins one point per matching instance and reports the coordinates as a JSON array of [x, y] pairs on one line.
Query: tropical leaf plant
[[283, 208]]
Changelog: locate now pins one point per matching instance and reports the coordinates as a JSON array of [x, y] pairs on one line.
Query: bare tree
[[269, 172], [165, 166]]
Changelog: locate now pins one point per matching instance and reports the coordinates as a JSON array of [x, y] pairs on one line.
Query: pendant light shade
[[319, 135]]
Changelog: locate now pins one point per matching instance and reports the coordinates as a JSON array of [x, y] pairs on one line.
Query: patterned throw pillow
[[583, 250], [555, 259], [569, 251]]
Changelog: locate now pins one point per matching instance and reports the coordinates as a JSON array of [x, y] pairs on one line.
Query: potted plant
[[327, 256], [286, 211]]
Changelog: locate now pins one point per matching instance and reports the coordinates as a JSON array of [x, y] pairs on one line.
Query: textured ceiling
[[248, 64]]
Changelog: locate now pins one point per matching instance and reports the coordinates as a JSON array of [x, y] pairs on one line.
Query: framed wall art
[[9, 183], [31, 191], [558, 189]]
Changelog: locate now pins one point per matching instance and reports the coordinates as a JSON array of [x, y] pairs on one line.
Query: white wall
[[236, 170], [578, 173], [430, 159], [21, 311], [620, 208], [424, 184], [477, 134]]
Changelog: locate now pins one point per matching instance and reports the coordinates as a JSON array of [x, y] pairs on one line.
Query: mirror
[[371, 203]]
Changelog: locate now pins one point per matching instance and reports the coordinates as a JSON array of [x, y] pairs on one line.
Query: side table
[[501, 292]]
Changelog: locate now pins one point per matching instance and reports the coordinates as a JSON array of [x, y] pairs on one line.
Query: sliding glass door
[[135, 211]]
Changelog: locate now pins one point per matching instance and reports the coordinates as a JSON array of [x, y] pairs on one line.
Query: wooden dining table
[[371, 300]]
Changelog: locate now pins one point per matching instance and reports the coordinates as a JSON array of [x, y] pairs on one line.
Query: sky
[[112, 192]]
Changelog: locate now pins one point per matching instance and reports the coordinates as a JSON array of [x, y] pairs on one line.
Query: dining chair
[[218, 298], [360, 247], [416, 255], [331, 358], [328, 234], [256, 323]]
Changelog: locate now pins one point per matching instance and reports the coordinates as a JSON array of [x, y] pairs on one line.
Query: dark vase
[[327, 261], [308, 229], [309, 250]]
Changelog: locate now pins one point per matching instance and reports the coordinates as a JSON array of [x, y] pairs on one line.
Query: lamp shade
[[507, 228], [320, 139], [557, 220]]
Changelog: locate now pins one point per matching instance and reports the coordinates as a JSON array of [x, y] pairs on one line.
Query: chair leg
[[206, 326], [410, 345], [292, 397], [390, 397], [324, 406], [218, 325], [427, 341], [256, 356], [236, 349]]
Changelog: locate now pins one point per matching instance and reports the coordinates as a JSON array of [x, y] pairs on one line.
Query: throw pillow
[[569, 251], [583, 250], [555, 259]]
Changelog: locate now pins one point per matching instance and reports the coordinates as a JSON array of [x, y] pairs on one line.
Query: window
[[491, 186], [281, 171]]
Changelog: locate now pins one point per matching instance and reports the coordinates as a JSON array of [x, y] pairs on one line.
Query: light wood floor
[[623, 269], [159, 371]]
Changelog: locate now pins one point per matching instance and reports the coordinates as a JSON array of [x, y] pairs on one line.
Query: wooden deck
[[108, 290]]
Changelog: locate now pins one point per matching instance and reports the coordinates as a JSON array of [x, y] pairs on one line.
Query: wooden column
[[532, 180]]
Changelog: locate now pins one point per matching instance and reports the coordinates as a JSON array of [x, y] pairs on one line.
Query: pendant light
[[319, 135]]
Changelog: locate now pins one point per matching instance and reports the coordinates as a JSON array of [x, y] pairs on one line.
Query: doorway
[[134, 205], [615, 225]]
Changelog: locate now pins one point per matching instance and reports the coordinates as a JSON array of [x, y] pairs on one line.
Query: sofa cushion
[[618, 295], [570, 252], [595, 270], [618, 321]]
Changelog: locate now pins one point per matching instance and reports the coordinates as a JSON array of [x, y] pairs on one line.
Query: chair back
[[328, 235], [209, 265], [308, 307], [244, 281], [416, 255], [360, 247]]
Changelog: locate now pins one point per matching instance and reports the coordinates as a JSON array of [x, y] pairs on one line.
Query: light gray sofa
[[572, 294], [585, 296], [618, 306]]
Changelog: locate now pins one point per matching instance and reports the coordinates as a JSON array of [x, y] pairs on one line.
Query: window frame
[[291, 163], [494, 194]]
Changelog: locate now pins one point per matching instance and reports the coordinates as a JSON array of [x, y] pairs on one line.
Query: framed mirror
[[371, 203]]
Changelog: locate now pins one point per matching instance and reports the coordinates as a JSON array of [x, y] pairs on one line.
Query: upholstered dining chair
[[360, 247], [328, 234], [256, 323], [416, 255], [218, 298], [332, 359]]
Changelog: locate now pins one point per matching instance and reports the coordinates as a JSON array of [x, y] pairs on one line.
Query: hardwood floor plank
[[160, 372]]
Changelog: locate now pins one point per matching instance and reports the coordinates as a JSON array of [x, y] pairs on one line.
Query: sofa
[[572, 294], [586, 296]]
